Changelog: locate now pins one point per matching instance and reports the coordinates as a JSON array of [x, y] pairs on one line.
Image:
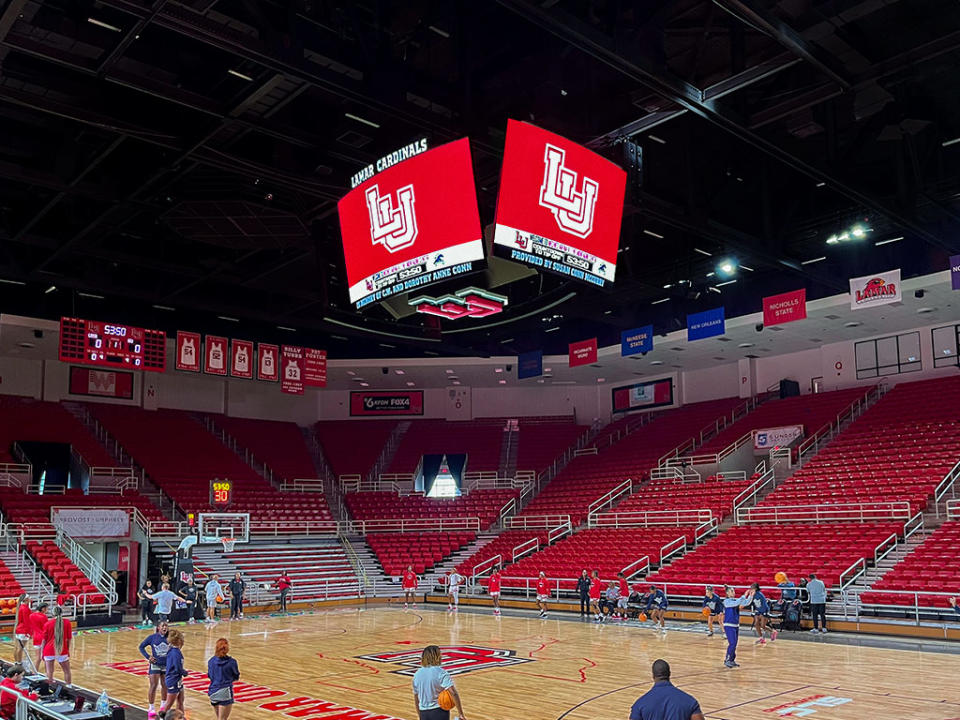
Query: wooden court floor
[[352, 663]]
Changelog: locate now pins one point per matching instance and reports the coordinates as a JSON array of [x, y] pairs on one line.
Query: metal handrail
[[752, 491], [304, 485], [525, 548], [861, 564], [536, 522], [665, 552], [608, 498], [632, 569], [861, 512], [560, 531], [488, 564], [646, 518], [948, 484], [705, 529], [88, 565], [953, 509]]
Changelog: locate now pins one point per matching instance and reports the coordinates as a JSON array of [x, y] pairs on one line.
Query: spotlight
[[726, 268]]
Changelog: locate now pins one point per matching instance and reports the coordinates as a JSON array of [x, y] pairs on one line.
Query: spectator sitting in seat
[[788, 594]]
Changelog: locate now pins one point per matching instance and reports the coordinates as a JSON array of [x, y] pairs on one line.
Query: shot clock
[[221, 492]]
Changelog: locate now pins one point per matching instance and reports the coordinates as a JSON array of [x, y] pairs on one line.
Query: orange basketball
[[706, 612], [780, 577], [445, 700], [643, 617]]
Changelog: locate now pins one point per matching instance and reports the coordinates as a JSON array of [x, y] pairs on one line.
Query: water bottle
[[103, 704]]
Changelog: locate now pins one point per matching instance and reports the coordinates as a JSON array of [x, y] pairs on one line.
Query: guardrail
[[303, 485], [922, 607], [509, 508], [609, 498], [89, 566], [947, 485], [750, 493], [637, 567], [113, 480], [525, 548], [816, 514], [647, 518], [953, 509], [562, 530], [712, 458], [678, 544], [487, 565], [708, 528], [811, 445], [536, 522]]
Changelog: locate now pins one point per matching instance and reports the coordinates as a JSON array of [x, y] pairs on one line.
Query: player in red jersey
[[21, 632], [543, 593], [494, 589], [624, 595], [409, 585], [595, 591]]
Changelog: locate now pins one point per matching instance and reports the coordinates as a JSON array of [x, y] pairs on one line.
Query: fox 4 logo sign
[[394, 227], [573, 209], [457, 659]]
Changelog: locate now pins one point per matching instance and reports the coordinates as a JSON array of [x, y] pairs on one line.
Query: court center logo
[[572, 209], [457, 659], [394, 227]]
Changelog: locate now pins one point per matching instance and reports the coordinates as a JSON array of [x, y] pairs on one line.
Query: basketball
[[445, 700], [706, 612], [780, 577], [642, 617], [219, 598]]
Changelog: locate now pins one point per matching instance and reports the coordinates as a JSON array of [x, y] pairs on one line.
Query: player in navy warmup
[[731, 622], [157, 657], [761, 615], [657, 605], [715, 603]]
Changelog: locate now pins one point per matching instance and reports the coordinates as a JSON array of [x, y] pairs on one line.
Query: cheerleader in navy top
[[731, 622]]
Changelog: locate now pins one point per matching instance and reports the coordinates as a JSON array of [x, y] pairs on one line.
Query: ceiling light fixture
[[284, 327], [364, 384], [702, 252], [714, 289], [948, 143], [728, 282], [92, 296], [657, 139], [661, 300], [400, 372], [50, 289], [351, 372], [164, 307], [11, 282], [238, 74], [449, 372], [668, 286], [410, 383], [651, 233], [228, 318], [551, 329], [104, 25], [878, 243], [813, 260], [387, 345], [821, 184], [359, 119], [748, 269], [726, 268], [502, 382], [508, 340], [439, 31]]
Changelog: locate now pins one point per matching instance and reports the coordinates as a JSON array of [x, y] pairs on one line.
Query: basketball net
[[228, 543]]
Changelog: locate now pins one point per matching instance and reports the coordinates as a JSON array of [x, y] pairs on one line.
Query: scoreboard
[[90, 342], [221, 492]]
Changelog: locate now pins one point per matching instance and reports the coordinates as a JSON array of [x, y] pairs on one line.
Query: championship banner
[[784, 308], [874, 290], [955, 271], [101, 383], [708, 323], [385, 403], [291, 370], [776, 437], [530, 364], [188, 351], [92, 523], [583, 352], [268, 362], [215, 355], [638, 340], [241, 359], [314, 367]]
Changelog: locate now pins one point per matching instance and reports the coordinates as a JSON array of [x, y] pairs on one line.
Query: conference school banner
[[638, 340], [875, 290], [708, 323], [784, 308]]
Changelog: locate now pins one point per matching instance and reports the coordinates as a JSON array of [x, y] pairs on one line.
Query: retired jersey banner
[[708, 323], [188, 351], [638, 340], [784, 308], [583, 352], [291, 370], [268, 362], [314, 367], [955, 272], [560, 205], [241, 359], [385, 403], [215, 355], [874, 290], [530, 364], [776, 437]]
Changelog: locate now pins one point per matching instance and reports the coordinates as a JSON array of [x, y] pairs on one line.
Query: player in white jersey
[[454, 581]]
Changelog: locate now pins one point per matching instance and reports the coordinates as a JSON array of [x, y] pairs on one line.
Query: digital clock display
[[221, 492], [111, 345]]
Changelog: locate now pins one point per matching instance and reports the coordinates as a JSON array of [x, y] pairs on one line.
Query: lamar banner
[[291, 367], [188, 351], [776, 437], [873, 290], [314, 367], [784, 308], [241, 359], [386, 403], [215, 355], [94, 523], [583, 352]]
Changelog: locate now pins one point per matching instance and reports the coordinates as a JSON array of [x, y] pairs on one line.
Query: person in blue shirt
[[954, 605], [157, 657], [657, 605], [429, 682], [223, 672], [664, 701], [731, 622], [715, 603], [174, 674], [761, 615]]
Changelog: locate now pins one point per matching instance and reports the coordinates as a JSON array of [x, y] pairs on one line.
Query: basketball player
[[731, 622], [157, 669], [761, 615], [494, 589], [409, 585], [715, 603], [174, 673], [543, 593], [454, 580], [595, 591], [657, 605], [21, 634]]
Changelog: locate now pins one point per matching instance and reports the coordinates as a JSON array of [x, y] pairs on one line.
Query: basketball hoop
[[228, 543]]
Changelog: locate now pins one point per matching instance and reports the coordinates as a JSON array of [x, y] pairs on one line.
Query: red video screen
[[643, 396], [90, 342], [411, 225], [559, 207]]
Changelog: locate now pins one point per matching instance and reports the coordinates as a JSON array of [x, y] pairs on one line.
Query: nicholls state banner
[[874, 290], [784, 308], [92, 523]]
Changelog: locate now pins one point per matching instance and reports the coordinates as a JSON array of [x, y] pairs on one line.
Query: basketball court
[[345, 663]]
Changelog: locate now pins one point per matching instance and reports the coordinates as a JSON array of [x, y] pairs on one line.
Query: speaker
[[789, 388]]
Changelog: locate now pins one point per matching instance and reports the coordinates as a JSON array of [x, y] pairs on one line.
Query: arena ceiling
[[177, 164]]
